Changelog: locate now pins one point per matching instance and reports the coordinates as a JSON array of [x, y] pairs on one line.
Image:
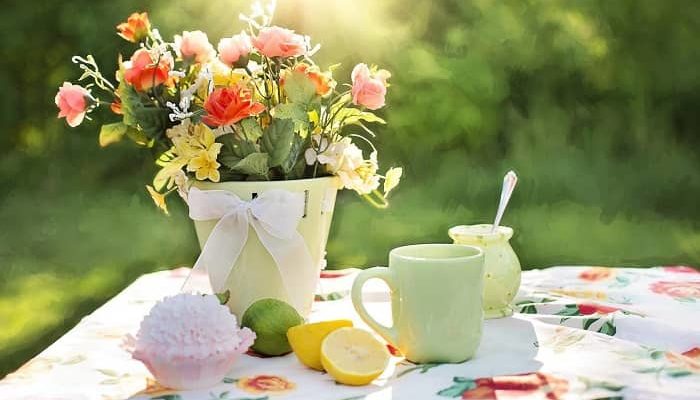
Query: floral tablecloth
[[580, 333]]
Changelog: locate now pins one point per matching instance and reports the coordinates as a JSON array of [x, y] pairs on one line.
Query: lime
[[270, 319]]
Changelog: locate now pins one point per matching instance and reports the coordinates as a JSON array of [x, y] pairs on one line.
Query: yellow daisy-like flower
[[205, 166], [158, 198]]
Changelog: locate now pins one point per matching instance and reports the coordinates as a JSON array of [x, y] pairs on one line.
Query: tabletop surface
[[580, 333]]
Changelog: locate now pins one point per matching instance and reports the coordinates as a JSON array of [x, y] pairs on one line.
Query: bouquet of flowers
[[255, 108]]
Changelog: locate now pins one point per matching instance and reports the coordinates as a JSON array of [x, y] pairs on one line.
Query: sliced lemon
[[306, 340], [353, 356]]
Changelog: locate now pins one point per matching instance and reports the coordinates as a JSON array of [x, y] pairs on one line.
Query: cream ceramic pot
[[255, 274], [501, 265]]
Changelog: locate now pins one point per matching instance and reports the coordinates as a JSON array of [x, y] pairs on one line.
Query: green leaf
[[608, 328], [299, 88], [569, 310], [528, 309], [588, 322], [354, 116], [168, 397], [293, 111], [294, 153], [223, 297], [255, 164], [252, 129], [152, 120], [677, 372], [234, 149], [656, 354], [648, 370], [112, 133], [277, 141], [460, 386], [139, 137]]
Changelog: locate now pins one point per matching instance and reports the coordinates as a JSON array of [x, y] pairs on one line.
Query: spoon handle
[[509, 182]]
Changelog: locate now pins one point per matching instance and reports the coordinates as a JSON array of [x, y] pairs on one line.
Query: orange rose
[[142, 72], [323, 83], [228, 105], [136, 28]]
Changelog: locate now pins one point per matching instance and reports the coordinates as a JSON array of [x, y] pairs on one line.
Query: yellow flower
[[158, 198], [392, 178], [205, 166], [580, 294], [225, 76]]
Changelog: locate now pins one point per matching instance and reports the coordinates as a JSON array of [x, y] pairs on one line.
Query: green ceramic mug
[[436, 296]]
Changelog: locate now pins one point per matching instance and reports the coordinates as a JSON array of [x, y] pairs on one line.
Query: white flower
[[179, 130], [182, 183], [345, 160]]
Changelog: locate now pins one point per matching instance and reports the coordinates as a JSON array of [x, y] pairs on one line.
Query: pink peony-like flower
[[369, 89], [195, 46], [235, 49], [72, 102], [274, 41], [679, 290], [189, 341]]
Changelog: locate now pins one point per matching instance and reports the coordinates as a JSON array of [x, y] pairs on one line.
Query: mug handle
[[383, 273]]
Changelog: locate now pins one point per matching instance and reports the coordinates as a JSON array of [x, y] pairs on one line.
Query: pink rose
[[682, 290], [232, 49], [72, 101], [369, 89], [274, 41], [195, 46]]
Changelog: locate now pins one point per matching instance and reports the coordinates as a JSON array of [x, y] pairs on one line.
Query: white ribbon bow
[[274, 215]]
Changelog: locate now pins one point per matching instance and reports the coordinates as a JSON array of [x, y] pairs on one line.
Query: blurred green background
[[596, 105]]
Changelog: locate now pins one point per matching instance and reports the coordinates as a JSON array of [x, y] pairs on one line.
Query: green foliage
[[254, 164], [298, 88], [112, 133]]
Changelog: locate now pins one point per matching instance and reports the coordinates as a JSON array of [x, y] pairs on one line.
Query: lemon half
[[353, 356], [306, 340]]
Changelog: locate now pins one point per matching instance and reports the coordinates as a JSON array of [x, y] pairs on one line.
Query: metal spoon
[[509, 181]]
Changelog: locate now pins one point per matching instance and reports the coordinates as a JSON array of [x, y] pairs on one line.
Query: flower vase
[[255, 274]]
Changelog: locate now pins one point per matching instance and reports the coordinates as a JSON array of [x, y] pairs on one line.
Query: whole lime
[[270, 319]]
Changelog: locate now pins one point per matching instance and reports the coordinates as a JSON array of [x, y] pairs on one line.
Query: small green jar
[[501, 265]]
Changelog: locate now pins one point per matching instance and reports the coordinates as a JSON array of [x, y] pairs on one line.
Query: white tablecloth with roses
[[580, 333]]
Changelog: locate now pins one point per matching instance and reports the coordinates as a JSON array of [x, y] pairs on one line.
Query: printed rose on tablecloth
[[590, 308], [530, 384], [683, 269], [688, 360], [265, 384], [681, 291], [595, 274]]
